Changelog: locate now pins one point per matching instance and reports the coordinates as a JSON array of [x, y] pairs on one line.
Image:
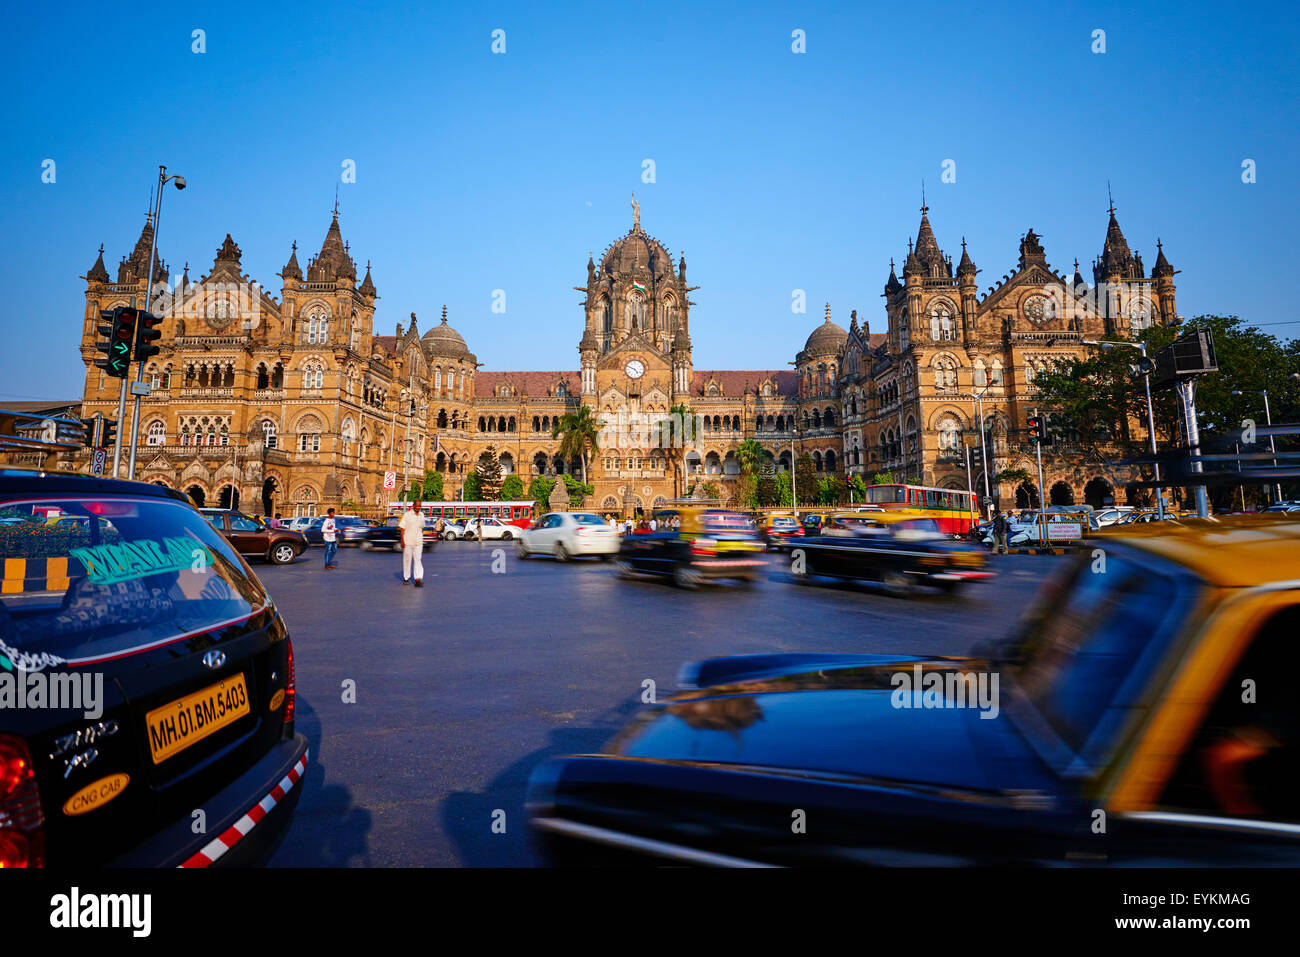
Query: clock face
[[1037, 309], [221, 312], [634, 369]]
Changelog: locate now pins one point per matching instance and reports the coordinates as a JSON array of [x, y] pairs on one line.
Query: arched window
[[949, 429], [157, 433], [945, 373], [270, 434]]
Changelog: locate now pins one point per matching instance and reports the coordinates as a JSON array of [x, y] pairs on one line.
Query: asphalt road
[[464, 686]]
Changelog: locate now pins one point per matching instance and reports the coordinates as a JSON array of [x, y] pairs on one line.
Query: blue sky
[[775, 171]]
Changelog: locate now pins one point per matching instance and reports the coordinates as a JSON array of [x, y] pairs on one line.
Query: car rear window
[[84, 577], [582, 518]]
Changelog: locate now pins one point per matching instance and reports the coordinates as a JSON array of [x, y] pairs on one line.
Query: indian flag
[[637, 285]]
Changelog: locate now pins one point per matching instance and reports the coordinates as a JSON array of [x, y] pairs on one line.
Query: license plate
[[188, 720]]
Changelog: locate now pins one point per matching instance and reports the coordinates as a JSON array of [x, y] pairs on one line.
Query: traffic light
[[108, 434], [1037, 428], [119, 327], [147, 332]]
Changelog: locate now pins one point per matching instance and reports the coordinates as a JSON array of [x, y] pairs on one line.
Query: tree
[[883, 478], [578, 433], [512, 489], [749, 453], [805, 474], [433, 490], [470, 487], [539, 490], [711, 490], [784, 497], [577, 490], [859, 486], [488, 474], [677, 434], [766, 492]]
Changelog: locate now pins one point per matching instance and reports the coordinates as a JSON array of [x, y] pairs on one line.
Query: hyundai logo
[[214, 659]]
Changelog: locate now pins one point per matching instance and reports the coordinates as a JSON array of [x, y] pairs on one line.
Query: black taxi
[[692, 545], [147, 691]]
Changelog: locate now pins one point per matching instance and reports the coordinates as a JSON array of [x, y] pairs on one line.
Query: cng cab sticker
[[277, 699], [96, 795]]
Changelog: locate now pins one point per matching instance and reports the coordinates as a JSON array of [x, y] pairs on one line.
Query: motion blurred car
[[903, 556], [300, 523], [569, 534], [254, 539], [490, 529], [780, 529], [452, 531], [1118, 697], [389, 535], [695, 545], [197, 701], [348, 530]]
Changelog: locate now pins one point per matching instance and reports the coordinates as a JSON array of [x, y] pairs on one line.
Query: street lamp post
[[137, 388], [1151, 421]]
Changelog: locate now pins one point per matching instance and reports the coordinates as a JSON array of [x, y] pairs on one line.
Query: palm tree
[[579, 433], [749, 453], [674, 435]]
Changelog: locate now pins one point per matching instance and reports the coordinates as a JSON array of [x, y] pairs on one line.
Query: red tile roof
[[533, 384], [734, 382]]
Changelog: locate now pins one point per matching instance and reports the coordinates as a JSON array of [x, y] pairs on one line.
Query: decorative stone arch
[[949, 408]]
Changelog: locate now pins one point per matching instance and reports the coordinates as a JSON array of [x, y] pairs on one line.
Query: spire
[[681, 268], [291, 269], [967, 266], [444, 314], [333, 261], [1116, 259], [367, 287], [1162, 269], [98, 273], [1078, 277], [892, 285], [413, 331], [928, 253]]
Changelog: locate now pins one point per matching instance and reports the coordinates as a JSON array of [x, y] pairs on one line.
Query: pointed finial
[[336, 200], [828, 312], [963, 244], [444, 314], [924, 208], [1109, 198]]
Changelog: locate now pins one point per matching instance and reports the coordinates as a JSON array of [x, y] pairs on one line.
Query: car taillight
[[290, 690], [704, 546], [22, 825]]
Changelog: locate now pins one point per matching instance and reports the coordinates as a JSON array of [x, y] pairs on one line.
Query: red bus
[[955, 510], [520, 514]]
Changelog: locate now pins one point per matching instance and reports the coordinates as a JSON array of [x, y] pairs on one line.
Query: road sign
[[97, 460], [390, 480]]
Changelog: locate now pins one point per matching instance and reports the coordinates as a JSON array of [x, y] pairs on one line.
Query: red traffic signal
[[148, 331], [1037, 429]]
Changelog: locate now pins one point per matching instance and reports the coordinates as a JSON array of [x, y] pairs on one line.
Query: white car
[[300, 523], [566, 534], [489, 529]]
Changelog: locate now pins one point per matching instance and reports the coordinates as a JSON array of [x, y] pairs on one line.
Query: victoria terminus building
[[293, 402]]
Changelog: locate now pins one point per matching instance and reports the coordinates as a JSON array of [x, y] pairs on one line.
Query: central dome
[[637, 252]]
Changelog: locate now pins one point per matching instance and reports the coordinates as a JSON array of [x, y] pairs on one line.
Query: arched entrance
[[1062, 494], [196, 495], [1096, 493], [1026, 496], [228, 497], [269, 491]]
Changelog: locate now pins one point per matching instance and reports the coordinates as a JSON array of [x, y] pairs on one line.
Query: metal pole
[[121, 424], [984, 463], [970, 486], [1242, 487], [1272, 444], [1151, 432], [148, 300], [1187, 393], [1038, 449]]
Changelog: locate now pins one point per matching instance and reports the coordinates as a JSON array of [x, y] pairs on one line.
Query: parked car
[[348, 530], [1118, 694], [300, 523], [901, 555], [569, 534], [389, 535], [255, 539], [490, 529], [694, 545], [198, 693], [452, 531]]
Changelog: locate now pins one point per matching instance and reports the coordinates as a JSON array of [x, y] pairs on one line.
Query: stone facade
[[295, 402]]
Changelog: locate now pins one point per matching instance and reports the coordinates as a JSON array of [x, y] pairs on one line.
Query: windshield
[[1087, 641], [585, 518], [90, 576], [887, 494]]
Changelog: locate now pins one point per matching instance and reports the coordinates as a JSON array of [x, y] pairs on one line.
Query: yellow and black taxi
[[778, 529], [900, 552], [146, 683], [693, 545], [1142, 713]]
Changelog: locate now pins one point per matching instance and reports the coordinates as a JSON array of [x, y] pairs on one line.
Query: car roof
[[1232, 551], [27, 481]]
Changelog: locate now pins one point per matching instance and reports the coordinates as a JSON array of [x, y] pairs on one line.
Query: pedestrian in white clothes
[[412, 531]]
